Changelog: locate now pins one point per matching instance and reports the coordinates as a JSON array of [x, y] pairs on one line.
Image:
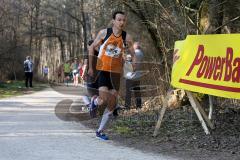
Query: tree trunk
[[211, 16]]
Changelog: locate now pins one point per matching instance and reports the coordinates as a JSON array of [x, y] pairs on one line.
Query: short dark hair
[[117, 12], [90, 42]]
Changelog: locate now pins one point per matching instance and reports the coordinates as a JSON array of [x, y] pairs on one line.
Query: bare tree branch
[[230, 21]]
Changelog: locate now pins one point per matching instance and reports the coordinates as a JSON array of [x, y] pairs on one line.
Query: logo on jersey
[[113, 51]]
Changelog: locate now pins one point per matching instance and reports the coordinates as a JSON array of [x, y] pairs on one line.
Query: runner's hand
[[90, 72]]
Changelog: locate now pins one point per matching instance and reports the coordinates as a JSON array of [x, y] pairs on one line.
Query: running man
[[112, 42]]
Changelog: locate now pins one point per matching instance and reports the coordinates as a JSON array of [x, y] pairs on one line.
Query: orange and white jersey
[[110, 54]]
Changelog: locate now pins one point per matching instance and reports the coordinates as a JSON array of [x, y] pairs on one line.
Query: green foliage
[[123, 130], [134, 125], [15, 88], [123, 127]]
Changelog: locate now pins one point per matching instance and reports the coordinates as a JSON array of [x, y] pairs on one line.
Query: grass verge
[[16, 88]]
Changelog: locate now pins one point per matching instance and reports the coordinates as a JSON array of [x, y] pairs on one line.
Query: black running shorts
[[109, 79]]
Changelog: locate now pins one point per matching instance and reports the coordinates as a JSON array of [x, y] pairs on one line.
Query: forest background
[[54, 31]]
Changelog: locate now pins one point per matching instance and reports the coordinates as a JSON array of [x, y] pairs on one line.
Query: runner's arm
[[96, 43]]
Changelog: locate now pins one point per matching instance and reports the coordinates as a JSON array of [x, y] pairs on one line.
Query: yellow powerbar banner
[[208, 64]]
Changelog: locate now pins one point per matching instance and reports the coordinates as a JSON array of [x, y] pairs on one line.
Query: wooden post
[[201, 114], [209, 123], [210, 107], [162, 112], [195, 105]]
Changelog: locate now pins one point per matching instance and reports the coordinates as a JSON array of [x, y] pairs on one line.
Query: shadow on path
[[62, 111], [70, 90]]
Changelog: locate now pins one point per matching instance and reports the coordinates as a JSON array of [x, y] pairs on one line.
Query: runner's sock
[[104, 120]]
